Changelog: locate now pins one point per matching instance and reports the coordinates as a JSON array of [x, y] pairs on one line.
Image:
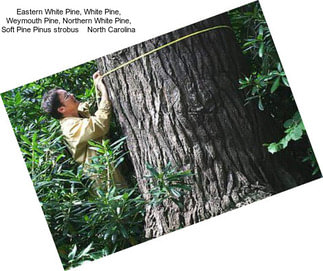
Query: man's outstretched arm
[[84, 129], [99, 85]]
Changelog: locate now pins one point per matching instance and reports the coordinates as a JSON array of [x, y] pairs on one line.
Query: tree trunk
[[182, 105]]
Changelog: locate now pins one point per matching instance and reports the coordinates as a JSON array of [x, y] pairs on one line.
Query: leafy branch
[[167, 183]]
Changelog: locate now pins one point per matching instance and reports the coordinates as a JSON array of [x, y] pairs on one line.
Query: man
[[78, 126]]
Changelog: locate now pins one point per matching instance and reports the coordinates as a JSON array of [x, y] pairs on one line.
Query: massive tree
[[182, 105]]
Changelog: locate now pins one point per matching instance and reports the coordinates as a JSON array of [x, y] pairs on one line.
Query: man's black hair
[[51, 103]]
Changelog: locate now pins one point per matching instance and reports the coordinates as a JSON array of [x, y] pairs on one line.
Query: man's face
[[68, 102]]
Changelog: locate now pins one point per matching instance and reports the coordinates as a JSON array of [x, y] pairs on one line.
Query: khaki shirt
[[78, 131]]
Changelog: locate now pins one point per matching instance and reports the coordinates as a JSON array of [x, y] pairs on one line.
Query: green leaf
[[125, 196], [71, 255], [316, 170], [152, 170], [297, 116], [251, 98], [301, 125], [25, 139], [85, 251], [121, 140], [25, 151], [167, 168], [18, 98], [94, 144], [124, 232], [175, 192], [114, 238], [273, 147], [261, 30], [297, 133], [98, 150], [261, 50], [288, 123], [275, 85], [120, 160], [254, 90], [34, 139], [59, 157], [260, 105], [284, 142], [284, 79]]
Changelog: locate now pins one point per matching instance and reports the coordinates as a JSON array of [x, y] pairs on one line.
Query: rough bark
[[182, 105]]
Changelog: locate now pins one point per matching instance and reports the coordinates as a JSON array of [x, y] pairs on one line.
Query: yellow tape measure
[[165, 45]]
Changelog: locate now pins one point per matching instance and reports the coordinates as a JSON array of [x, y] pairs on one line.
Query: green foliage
[[312, 160], [109, 157], [294, 129], [267, 78], [253, 34], [267, 84], [261, 86], [77, 80], [167, 183], [86, 221], [75, 258], [83, 226], [110, 220]]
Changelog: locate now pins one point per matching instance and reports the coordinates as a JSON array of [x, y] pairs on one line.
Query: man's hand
[[98, 82], [99, 85]]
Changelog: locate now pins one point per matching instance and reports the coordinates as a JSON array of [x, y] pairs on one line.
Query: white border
[[283, 232]]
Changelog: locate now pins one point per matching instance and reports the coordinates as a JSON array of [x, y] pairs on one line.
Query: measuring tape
[[161, 47], [165, 45]]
